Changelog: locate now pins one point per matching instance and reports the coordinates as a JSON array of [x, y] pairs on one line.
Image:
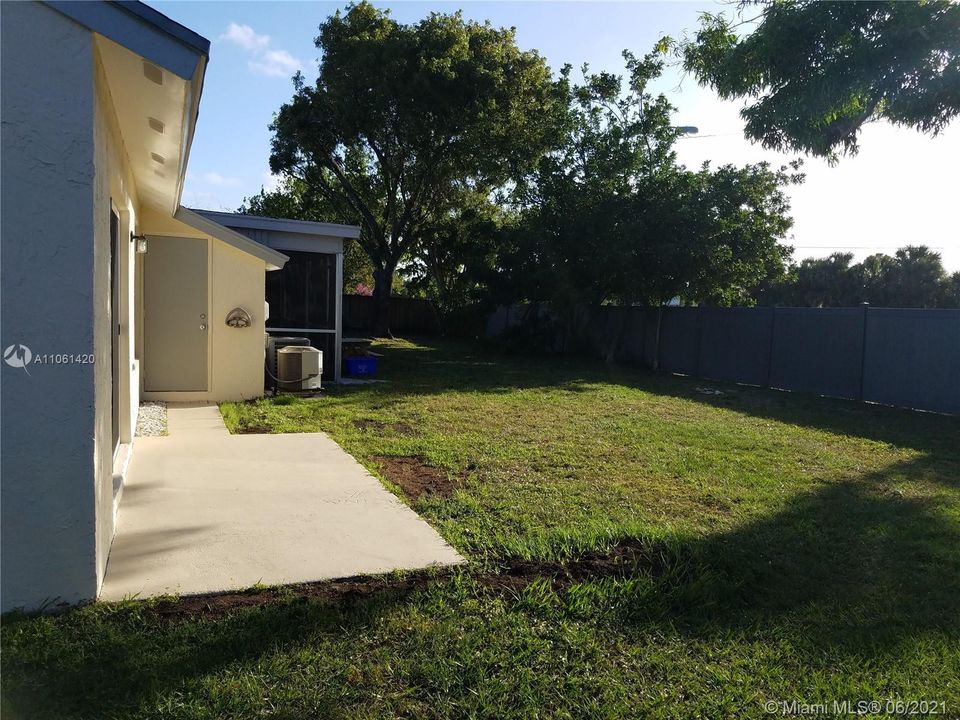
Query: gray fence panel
[[650, 350], [633, 340], [910, 358], [608, 328], [913, 359], [735, 344], [678, 340], [818, 350], [498, 321]]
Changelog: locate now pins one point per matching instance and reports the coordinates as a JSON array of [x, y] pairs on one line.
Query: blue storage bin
[[361, 365]]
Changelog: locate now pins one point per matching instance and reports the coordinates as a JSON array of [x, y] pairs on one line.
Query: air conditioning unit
[[299, 368], [274, 344]]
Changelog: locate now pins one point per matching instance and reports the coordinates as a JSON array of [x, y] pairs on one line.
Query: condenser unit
[[299, 368], [274, 344]]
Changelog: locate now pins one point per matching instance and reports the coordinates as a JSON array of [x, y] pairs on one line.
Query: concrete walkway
[[205, 511]]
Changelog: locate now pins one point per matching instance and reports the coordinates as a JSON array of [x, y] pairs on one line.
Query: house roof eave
[[259, 222], [274, 260], [142, 30], [153, 36]]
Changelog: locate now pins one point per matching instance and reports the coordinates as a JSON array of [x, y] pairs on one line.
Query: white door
[[176, 316]]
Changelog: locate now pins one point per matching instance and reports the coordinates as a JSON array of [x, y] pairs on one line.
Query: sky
[[902, 188]]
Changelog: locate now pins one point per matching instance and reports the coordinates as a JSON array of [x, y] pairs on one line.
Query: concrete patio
[[206, 511]]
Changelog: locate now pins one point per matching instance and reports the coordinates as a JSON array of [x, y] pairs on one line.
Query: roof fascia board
[[141, 30], [274, 260], [258, 222], [171, 27], [191, 113]]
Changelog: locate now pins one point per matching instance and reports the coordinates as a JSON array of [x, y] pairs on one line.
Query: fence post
[[863, 346], [773, 330]]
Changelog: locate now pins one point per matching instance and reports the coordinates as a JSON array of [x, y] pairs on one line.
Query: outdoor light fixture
[[239, 318], [141, 241]]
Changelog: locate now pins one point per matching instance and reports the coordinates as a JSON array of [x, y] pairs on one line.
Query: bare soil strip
[[622, 560]]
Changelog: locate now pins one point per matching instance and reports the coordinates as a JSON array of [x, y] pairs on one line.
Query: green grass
[[811, 549]]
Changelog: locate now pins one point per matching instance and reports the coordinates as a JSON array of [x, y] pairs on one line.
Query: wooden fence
[[408, 316]]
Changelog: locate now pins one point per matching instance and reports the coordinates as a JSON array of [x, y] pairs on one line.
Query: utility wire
[[859, 247]]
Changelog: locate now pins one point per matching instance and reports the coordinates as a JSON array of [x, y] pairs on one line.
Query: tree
[[873, 277], [913, 277], [454, 262], [817, 71], [949, 296], [828, 282], [612, 217], [403, 116], [292, 200], [916, 277]]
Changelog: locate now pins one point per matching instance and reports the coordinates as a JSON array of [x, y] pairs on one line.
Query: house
[[111, 291]]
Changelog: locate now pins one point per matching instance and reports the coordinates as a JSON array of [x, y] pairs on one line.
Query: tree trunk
[[382, 290], [656, 342]]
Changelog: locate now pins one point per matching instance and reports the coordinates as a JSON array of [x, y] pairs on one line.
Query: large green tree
[[815, 72], [455, 260], [612, 217], [403, 116]]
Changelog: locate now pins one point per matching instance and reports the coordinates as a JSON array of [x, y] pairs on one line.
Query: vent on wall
[[155, 124], [158, 158], [152, 73]]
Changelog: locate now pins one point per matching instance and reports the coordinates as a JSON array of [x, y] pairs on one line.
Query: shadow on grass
[[442, 367], [854, 570], [858, 564], [117, 661]]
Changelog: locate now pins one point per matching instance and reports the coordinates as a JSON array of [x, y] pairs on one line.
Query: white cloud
[[246, 37], [268, 61], [271, 182], [276, 63], [215, 178]]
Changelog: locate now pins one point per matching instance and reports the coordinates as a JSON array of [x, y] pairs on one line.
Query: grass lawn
[[664, 551]]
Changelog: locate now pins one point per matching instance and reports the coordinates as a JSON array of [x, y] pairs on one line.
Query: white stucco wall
[[114, 188], [236, 279], [47, 268]]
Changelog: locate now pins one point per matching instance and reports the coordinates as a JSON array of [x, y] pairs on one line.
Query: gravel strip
[[152, 419]]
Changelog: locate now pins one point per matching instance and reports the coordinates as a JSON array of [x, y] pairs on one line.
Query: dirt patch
[[415, 477], [333, 592], [514, 575], [253, 429], [622, 560], [399, 428]]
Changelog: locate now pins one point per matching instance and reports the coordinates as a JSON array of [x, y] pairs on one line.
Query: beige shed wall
[[236, 279]]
